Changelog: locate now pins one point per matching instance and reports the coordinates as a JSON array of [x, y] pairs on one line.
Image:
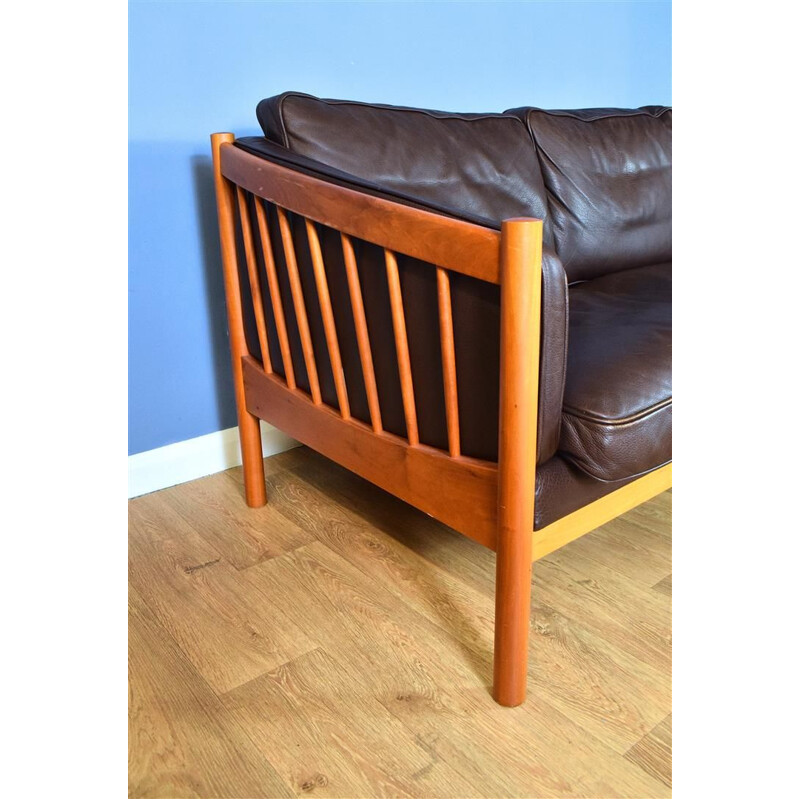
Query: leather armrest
[[552, 354]]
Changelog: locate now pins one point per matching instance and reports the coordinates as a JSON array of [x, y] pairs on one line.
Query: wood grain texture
[[656, 516], [303, 708], [610, 606], [576, 670], [664, 586], [226, 628], [390, 697], [242, 536], [423, 587], [360, 749], [182, 742], [454, 244], [653, 753], [438, 694], [638, 553]]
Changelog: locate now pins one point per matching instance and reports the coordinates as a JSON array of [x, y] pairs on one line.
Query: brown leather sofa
[[472, 311]]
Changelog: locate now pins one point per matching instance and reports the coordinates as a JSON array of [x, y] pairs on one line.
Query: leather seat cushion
[[562, 488], [617, 417]]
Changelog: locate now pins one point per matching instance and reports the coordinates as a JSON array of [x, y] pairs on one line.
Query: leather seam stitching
[[558, 113], [582, 467], [649, 411]]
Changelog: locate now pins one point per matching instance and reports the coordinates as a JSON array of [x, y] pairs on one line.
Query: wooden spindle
[[401, 344], [362, 333], [448, 361], [328, 321], [275, 294], [255, 284], [299, 306]]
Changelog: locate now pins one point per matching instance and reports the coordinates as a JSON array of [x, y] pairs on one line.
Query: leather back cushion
[[608, 174], [480, 164]]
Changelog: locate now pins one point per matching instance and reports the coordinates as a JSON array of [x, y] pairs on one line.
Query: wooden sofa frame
[[492, 503]]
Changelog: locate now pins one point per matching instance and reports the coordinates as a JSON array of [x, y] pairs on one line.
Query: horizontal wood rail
[[454, 244], [461, 492]]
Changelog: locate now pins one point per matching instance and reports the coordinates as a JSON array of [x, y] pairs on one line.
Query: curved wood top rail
[[450, 243]]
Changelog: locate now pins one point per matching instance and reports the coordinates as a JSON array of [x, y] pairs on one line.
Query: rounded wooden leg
[[512, 619], [520, 262], [255, 490]]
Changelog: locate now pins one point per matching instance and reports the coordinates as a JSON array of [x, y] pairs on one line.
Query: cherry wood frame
[[492, 503]]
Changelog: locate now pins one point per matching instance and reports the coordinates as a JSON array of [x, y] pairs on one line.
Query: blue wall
[[199, 67]]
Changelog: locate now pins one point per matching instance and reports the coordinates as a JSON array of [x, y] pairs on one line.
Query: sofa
[[472, 311]]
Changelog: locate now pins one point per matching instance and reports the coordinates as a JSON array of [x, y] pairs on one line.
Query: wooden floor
[[337, 643]]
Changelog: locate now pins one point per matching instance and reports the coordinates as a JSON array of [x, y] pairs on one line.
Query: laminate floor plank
[[338, 643], [622, 545], [327, 740], [417, 672], [182, 741], [584, 675], [653, 753], [634, 619], [664, 586], [215, 508], [226, 627], [590, 593]]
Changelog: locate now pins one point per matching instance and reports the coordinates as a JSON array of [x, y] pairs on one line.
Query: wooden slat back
[[299, 306], [328, 321], [401, 344], [448, 361], [362, 333], [255, 283], [275, 294]]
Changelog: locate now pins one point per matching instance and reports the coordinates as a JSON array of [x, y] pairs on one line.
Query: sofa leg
[[255, 490], [512, 619], [520, 299]]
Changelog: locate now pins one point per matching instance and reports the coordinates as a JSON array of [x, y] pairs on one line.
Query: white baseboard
[[194, 458]]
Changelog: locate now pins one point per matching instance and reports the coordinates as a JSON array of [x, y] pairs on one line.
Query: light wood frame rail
[[492, 503]]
